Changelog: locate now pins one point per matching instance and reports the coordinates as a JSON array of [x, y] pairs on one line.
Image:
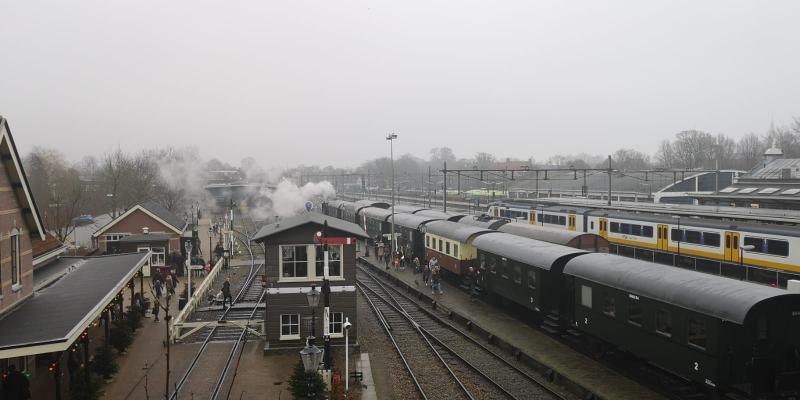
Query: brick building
[[294, 265]]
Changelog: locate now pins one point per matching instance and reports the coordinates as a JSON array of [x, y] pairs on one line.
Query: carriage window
[[757, 243], [610, 306], [647, 231], [562, 220], [761, 329], [693, 237], [447, 247], [711, 239], [615, 227], [532, 278], [676, 235], [636, 230], [427, 241], [778, 247], [517, 273], [634, 311], [440, 245], [455, 250], [539, 217], [664, 322], [504, 267], [586, 296], [625, 228], [591, 225], [697, 333]]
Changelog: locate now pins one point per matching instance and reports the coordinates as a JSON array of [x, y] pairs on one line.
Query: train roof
[[440, 215], [336, 203], [407, 208], [547, 234], [724, 298], [482, 222], [412, 221], [370, 203], [531, 252], [376, 213], [454, 231], [702, 222]]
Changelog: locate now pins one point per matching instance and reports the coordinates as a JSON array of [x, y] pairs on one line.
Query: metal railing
[[197, 295]]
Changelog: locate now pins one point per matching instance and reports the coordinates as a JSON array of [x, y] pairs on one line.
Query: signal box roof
[[308, 218]]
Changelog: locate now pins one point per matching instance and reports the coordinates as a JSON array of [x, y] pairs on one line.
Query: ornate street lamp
[[313, 301]]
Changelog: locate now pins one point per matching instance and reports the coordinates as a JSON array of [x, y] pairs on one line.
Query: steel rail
[[532, 379]]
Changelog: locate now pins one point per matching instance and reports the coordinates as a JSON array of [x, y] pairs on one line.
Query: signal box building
[[294, 264]]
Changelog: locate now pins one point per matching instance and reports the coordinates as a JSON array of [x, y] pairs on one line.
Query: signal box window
[[334, 261], [664, 322], [290, 326], [586, 296], [294, 261], [335, 324], [610, 306], [697, 335], [635, 311]]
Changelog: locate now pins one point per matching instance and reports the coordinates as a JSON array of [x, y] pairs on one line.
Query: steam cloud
[[288, 199]]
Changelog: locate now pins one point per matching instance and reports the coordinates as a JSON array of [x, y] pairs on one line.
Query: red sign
[[334, 240]]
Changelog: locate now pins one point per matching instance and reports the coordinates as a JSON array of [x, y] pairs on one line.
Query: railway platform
[[578, 368]]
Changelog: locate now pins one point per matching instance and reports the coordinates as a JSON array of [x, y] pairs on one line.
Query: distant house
[[294, 265], [145, 226]]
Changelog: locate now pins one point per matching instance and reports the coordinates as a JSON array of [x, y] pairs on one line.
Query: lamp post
[[680, 234], [742, 248], [347, 326], [313, 301], [391, 138], [188, 246], [311, 356], [210, 256], [326, 292]]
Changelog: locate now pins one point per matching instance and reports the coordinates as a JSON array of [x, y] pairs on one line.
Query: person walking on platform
[[170, 285], [158, 288], [416, 265], [156, 309], [436, 283], [226, 294], [471, 283], [426, 274]]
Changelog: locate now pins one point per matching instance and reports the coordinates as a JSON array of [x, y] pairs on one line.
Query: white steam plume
[[288, 199]]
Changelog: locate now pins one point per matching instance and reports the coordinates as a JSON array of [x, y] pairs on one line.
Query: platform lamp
[[210, 253], [311, 356], [391, 138], [313, 301], [742, 248], [188, 246]]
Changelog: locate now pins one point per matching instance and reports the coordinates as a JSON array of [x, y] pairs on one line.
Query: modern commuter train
[[765, 253], [722, 334]]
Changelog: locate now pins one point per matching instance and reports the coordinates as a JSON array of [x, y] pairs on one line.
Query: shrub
[[83, 390], [134, 318], [104, 363], [299, 384], [121, 335]]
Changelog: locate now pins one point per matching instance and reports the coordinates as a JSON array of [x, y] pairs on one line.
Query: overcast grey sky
[[322, 82]]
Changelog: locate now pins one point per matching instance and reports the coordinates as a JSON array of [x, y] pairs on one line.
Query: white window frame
[[311, 265], [158, 257], [314, 276], [290, 324], [333, 322], [115, 237], [16, 261]]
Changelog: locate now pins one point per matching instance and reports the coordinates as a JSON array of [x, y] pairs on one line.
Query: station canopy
[[56, 315]]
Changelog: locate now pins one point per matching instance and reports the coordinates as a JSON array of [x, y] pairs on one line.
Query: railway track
[[247, 306], [474, 370]]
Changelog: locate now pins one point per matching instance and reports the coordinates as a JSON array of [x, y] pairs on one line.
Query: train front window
[[697, 335], [664, 322]]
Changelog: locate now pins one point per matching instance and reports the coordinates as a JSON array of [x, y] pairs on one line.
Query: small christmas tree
[[121, 335], [103, 363], [305, 385], [83, 389]]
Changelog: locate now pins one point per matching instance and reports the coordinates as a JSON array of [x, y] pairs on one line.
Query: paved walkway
[[579, 368]]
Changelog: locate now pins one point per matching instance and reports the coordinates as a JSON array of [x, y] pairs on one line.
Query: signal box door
[[663, 237], [571, 222], [604, 227], [732, 251]]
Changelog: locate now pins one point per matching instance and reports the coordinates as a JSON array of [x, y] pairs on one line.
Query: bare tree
[[483, 160], [724, 151], [57, 187], [750, 149], [694, 149], [112, 173], [665, 157], [785, 139], [630, 159]]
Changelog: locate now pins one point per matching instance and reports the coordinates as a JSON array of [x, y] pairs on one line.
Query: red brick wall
[[134, 223], [10, 217]]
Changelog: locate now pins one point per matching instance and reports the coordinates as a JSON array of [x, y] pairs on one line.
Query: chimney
[[773, 153], [145, 230]]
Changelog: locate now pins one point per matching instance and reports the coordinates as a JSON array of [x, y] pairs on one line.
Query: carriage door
[[732, 246], [571, 221], [663, 237], [604, 227], [497, 211]]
